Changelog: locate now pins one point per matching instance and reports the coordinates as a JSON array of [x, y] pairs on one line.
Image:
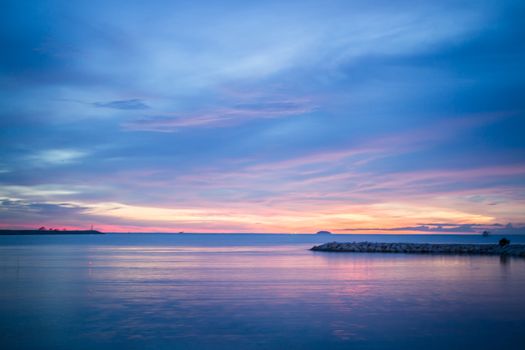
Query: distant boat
[[324, 233], [485, 233]]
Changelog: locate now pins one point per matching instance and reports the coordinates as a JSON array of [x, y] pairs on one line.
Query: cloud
[[134, 104], [300, 116], [17, 191], [221, 117], [57, 156], [10, 209], [445, 228]]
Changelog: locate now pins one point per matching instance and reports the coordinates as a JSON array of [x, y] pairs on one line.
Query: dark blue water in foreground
[[253, 292]]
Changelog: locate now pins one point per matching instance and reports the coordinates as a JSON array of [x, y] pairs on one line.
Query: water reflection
[[254, 297], [504, 260]]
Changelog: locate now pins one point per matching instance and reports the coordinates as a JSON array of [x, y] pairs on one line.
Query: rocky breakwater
[[424, 248]]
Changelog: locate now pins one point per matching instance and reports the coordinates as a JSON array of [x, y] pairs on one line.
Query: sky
[[271, 116]]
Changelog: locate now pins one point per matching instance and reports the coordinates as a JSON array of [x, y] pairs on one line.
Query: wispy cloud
[[18, 191], [134, 104], [444, 228], [57, 156], [222, 116]]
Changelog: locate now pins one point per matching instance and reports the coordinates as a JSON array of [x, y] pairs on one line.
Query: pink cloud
[[224, 116]]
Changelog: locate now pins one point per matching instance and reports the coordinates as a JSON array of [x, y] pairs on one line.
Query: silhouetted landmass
[[424, 248], [324, 233], [50, 232]]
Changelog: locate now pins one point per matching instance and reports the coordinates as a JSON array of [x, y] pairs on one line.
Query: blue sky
[[285, 116]]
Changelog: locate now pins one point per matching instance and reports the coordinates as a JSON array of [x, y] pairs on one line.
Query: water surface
[[253, 292]]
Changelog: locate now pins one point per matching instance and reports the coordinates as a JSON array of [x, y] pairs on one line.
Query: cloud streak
[[57, 157], [437, 228], [133, 104], [222, 117]]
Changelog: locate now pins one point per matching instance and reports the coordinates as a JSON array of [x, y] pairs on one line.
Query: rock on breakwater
[[423, 248]]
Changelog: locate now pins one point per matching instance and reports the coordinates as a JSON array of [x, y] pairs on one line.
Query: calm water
[[253, 292]]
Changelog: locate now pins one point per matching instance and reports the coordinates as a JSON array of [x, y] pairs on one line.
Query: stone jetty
[[517, 250]]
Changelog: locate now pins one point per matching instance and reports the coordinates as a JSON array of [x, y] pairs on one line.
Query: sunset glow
[[288, 117]]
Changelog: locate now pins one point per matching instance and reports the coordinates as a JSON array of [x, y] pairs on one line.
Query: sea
[[254, 291]]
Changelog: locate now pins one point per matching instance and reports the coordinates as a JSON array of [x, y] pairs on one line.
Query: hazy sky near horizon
[[276, 116]]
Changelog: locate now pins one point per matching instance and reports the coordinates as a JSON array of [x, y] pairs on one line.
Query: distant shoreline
[[48, 232], [517, 250]]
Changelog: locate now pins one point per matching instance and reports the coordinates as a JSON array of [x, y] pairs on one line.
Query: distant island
[[49, 232], [323, 233]]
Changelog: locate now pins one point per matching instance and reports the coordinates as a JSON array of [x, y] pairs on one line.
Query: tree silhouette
[[504, 242]]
